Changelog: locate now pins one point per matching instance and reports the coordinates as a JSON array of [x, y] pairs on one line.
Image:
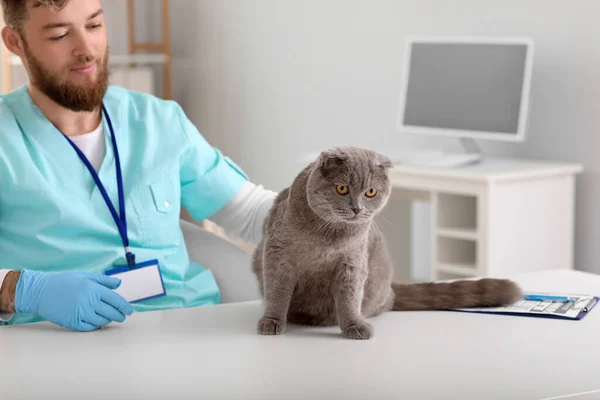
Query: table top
[[214, 353], [493, 170]]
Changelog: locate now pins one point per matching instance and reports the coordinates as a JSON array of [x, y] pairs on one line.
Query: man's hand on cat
[[270, 326]]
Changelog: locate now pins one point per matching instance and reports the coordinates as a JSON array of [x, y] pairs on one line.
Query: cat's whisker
[[388, 221], [323, 227], [376, 228], [327, 229], [318, 228], [372, 227]]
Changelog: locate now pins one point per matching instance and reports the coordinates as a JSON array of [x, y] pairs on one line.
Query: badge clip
[[130, 258]]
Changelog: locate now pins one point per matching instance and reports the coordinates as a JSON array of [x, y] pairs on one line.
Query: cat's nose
[[356, 210]]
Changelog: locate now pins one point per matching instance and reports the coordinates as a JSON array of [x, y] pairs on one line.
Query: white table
[[214, 353], [496, 218]]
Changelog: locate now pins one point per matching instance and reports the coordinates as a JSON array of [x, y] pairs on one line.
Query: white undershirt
[[242, 217], [92, 145]]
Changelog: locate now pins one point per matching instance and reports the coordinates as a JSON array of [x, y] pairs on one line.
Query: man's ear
[[331, 158], [13, 41]]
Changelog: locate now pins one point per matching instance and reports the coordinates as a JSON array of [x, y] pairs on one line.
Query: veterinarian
[[92, 178]]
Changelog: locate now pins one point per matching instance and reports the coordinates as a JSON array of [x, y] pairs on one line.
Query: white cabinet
[[496, 218]]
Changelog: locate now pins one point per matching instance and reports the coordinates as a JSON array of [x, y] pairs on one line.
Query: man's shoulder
[[6, 99], [148, 113], [4, 109], [141, 103], [8, 102]]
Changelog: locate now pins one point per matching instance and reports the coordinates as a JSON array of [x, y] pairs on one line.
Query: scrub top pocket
[[157, 208], [162, 193]]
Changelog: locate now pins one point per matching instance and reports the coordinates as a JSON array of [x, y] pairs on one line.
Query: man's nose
[[82, 46]]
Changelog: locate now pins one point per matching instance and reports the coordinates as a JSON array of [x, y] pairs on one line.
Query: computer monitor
[[466, 87]]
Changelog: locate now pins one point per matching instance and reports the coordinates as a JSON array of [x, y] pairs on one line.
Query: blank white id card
[[140, 283]]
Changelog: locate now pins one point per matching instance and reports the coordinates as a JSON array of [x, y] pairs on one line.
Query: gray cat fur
[[320, 263]]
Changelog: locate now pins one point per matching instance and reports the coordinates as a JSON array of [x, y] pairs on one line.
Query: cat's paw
[[270, 326], [360, 330]]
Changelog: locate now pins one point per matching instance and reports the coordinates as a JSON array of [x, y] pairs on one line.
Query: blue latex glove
[[80, 301]]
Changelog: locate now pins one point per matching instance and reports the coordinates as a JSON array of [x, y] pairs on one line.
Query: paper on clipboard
[[575, 308]]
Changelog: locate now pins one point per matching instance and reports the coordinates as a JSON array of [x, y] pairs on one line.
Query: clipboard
[[544, 305]]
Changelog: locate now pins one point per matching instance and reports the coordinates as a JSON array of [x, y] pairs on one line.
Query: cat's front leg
[[348, 288], [279, 281]]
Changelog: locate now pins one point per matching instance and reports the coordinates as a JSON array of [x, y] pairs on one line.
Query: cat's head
[[349, 184]]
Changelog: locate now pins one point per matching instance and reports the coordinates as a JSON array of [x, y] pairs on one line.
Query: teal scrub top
[[53, 217]]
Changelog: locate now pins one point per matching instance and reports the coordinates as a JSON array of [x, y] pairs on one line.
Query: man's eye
[[96, 26], [56, 38]]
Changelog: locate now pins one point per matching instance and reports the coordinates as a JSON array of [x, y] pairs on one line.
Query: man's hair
[[15, 11]]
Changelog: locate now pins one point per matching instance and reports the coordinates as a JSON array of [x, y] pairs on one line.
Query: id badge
[[140, 283]]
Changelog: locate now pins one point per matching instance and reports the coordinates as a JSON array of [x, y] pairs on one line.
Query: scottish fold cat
[[323, 262]]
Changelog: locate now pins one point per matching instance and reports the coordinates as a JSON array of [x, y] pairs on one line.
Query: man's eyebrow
[[63, 24], [94, 15]]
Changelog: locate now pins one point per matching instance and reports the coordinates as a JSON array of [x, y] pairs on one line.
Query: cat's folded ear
[[331, 158], [384, 162]]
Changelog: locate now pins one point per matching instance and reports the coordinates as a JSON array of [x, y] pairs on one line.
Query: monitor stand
[[442, 159]]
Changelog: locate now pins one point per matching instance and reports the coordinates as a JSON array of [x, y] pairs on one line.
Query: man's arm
[[216, 188], [7, 292], [243, 217], [209, 179]]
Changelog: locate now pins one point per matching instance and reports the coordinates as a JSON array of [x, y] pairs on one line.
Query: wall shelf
[[462, 270], [162, 48], [457, 212], [467, 234], [120, 59], [452, 251]]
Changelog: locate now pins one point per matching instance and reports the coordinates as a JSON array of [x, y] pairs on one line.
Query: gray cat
[[322, 262]]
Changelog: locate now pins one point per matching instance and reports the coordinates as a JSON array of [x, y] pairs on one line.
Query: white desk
[[214, 353], [496, 218]]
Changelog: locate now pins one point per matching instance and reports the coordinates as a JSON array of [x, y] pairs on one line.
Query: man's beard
[[85, 97]]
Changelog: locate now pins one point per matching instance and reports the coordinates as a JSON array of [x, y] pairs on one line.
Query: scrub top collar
[[71, 171]]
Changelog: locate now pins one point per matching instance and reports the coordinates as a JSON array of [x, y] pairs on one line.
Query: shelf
[[466, 234], [457, 212], [457, 269], [455, 251], [125, 59], [121, 59]]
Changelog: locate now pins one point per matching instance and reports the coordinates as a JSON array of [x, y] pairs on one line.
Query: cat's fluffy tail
[[456, 294]]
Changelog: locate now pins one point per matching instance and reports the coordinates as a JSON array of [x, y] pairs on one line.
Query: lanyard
[[121, 220]]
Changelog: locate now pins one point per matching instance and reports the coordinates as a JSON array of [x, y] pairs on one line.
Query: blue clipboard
[[550, 309]]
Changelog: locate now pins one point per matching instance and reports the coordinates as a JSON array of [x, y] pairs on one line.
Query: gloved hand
[[80, 301]]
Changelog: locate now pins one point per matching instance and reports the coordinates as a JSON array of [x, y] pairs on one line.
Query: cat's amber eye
[[371, 192], [342, 189]]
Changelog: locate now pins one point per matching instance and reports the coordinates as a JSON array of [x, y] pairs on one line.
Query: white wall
[[267, 80], [270, 80]]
